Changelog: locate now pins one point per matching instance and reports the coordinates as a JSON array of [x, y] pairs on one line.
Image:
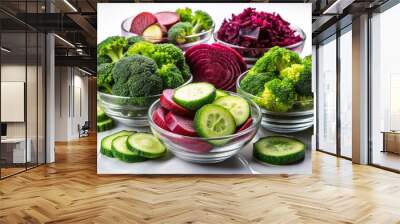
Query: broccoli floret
[[103, 59], [113, 47], [178, 32], [275, 60], [171, 76], [185, 71], [304, 84], [254, 83], [142, 48], [278, 95], [133, 40], [292, 73], [104, 77], [142, 85], [185, 14], [133, 65], [201, 21], [168, 54], [120, 88], [307, 60]]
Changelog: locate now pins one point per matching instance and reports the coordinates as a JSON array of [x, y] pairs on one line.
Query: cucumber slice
[[214, 121], [101, 115], [279, 150], [106, 142], [120, 150], [105, 125], [146, 145], [238, 107], [220, 93], [194, 95]]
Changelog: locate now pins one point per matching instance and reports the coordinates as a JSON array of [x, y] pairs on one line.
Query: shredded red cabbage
[[257, 29]]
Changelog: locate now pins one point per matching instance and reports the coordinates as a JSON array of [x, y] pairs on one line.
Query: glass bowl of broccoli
[[251, 54], [207, 149], [280, 83], [183, 34]]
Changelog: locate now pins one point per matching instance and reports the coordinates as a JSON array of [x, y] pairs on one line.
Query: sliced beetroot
[[167, 19], [168, 103], [142, 21], [246, 125], [180, 125], [239, 57], [159, 118]]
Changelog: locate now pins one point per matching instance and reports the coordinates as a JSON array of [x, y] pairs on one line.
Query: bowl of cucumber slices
[[199, 123]]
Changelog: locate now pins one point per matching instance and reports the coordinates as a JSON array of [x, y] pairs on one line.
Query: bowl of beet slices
[[175, 128], [154, 28]]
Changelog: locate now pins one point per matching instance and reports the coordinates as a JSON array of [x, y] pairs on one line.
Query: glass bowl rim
[[189, 36], [112, 96], [296, 28], [254, 125]]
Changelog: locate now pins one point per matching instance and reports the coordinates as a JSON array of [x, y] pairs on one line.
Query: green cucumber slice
[[146, 145], [194, 95], [106, 142], [238, 107], [220, 93], [120, 150], [105, 125], [101, 115], [279, 150], [214, 121]]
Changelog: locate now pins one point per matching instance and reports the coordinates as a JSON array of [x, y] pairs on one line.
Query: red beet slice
[[180, 125], [168, 103], [142, 21], [159, 118], [239, 57], [246, 125], [167, 19]]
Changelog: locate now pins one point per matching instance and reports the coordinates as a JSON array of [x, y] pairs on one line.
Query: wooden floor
[[70, 191]]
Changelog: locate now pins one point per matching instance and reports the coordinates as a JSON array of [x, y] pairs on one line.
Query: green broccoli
[[133, 65], [171, 76], [304, 103], [120, 88], [142, 48], [278, 95], [104, 77], [168, 54], [103, 59], [304, 84], [292, 73], [113, 47], [275, 60], [201, 21], [254, 83], [142, 85], [307, 60], [178, 32], [133, 40], [185, 14]]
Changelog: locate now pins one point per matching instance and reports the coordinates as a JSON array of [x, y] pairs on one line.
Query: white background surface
[[110, 16]]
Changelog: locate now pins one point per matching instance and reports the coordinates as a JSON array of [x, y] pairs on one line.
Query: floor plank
[[70, 191]]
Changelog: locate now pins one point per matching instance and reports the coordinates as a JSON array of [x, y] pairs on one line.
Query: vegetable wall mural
[[204, 88]]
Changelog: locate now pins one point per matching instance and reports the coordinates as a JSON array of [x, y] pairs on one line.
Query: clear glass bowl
[[130, 111], [299, 118], [200, 38], [206, 150], [250, 55]]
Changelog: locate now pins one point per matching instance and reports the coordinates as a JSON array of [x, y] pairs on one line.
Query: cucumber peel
[[106, 142]]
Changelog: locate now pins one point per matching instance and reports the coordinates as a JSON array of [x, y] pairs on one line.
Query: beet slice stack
[[216, 64]]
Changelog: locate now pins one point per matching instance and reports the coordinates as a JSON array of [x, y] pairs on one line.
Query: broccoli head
[[143, 85], [185, 71], [102, 60], [304, 84], [171, 76], [178, 32], [112, 47], [168, 54], [104, 77], [307, 60], [185, 14], [142, 48], [133, 65], [201, 21], [278, 95], [292, 73], [254, 83], [120, 88], [275, 60]]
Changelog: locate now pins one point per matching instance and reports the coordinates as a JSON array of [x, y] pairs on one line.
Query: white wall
[[70, 83]]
